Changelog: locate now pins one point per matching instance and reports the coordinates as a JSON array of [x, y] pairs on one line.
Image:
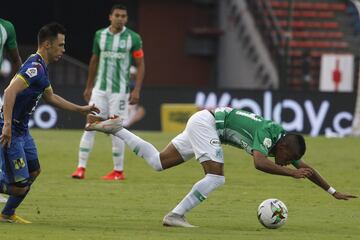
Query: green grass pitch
[[63, 208]]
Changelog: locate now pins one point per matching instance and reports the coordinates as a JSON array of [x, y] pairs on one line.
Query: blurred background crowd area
[[237, 44], [295, 61]]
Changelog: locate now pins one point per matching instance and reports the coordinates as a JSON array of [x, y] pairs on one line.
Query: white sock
[[141, 148], [199, 193], [118, 148], [86, 145]]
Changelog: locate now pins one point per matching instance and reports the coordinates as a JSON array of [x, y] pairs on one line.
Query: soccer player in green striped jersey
[[203, 136], [8, 43], [114, 49]]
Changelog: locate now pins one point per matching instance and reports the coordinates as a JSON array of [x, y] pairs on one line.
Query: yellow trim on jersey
[[48, 88], [40, 55], [24, 79]]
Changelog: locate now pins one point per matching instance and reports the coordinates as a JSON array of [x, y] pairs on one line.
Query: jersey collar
[[123, 30]]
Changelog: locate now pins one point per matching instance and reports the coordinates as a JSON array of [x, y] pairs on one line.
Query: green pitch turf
[[64, 208]]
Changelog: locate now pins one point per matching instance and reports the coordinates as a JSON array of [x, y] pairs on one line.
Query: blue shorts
[[19, 160]]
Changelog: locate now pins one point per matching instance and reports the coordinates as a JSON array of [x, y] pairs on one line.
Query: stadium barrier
[[308, 112], [174, 116]]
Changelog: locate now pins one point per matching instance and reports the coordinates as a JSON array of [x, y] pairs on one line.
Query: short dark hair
[[117, 6], [296, 143], [50, 32]]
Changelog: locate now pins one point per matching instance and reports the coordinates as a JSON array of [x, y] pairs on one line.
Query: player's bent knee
[[19, 191], [36, 173], [157, 167]]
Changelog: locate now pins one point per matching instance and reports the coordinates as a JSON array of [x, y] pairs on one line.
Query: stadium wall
[[305, 112]]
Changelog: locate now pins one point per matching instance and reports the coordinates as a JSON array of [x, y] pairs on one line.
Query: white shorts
[[200, 139], [110, 103]]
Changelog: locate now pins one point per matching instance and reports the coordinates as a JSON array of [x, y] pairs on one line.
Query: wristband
[[331, 190]]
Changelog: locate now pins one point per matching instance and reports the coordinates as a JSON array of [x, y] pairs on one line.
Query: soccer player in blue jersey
[[8, 43], [18, 155]]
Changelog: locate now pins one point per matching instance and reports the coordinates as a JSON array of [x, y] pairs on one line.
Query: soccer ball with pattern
[[272, 213]]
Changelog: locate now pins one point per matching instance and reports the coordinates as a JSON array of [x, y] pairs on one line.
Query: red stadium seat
[[317, 44], [317, 35], [310, 24], [304, 14], [310, 6]]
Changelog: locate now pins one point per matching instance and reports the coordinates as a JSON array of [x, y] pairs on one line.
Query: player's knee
[[19, 190], [157, 165], [35, 173], [215, 180], [158, 168]]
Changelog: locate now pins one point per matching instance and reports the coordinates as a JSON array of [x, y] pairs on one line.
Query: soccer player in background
[[18, 155], [204, 133], [136, 111], [107, 86], [8, 43]]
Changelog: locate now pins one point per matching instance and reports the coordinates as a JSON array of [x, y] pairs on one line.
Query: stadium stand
[[298, 32]]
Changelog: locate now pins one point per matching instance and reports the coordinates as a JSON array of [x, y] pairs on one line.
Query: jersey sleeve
[[262, 141], [11, 40], [31, 73], [136, 49], [96, 44]]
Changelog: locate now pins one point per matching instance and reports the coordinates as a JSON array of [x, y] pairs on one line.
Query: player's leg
[[86, 145], [118, 106], [136, 113], [88, 138], [206, 145], [171, 156], [17, 179], [118, 150]]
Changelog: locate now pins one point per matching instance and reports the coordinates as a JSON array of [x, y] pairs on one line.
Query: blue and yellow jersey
[[35, 75]]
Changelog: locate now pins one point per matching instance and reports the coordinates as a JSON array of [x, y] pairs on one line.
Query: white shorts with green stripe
[[110, 103], [200, 139]]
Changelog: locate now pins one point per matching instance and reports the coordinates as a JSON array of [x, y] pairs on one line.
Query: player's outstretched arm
[[262, 163], [321, 182], [60, 102]]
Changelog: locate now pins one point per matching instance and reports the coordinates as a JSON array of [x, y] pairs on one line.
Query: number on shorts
[[19, 163], [122, 105]]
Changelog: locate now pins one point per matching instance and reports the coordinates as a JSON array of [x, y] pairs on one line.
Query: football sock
[[141, 148], [12, 203], [199, 193], [86, 145], [118, 148]]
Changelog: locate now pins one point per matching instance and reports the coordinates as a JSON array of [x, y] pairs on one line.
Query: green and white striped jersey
[[7, 37], [115, 55], [247, 130]]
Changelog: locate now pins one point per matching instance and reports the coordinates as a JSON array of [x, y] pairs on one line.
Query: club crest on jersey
[[31, 72], [215, 142], [122, 44], [267, 142]]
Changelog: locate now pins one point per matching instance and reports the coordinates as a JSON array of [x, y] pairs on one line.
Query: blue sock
[[12, 203]]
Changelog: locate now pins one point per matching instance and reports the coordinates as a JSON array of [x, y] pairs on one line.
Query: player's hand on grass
[[89, 109], [302, 173], [343, 196], [5, 138]]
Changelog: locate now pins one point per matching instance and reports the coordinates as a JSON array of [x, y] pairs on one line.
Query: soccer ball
[[272, 213]]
